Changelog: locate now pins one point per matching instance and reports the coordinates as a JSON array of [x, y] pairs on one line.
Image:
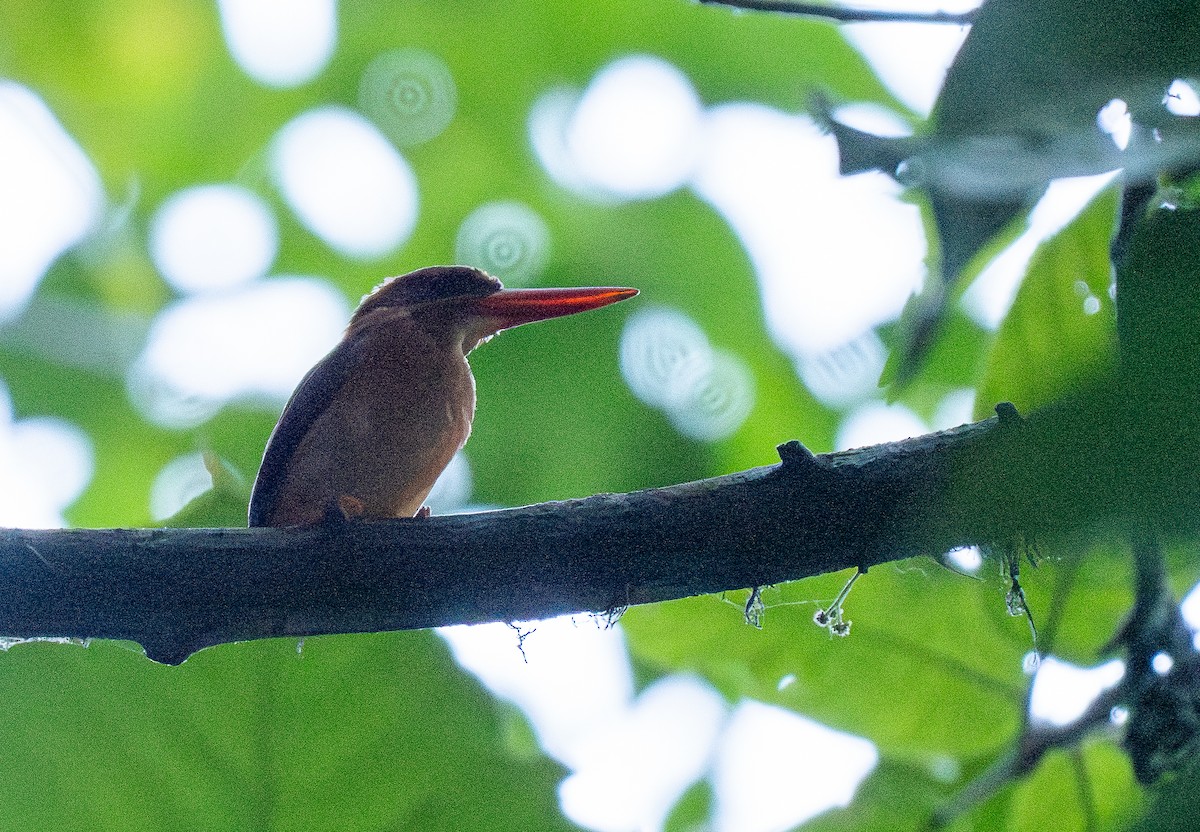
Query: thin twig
[[1034, 743], [845, 14]]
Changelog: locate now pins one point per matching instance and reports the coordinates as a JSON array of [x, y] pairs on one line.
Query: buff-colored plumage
[[371, 426]]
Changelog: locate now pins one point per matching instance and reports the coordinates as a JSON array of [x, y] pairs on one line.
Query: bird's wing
[[312, 396]]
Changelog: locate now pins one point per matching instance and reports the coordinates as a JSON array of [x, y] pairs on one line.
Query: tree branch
[[846, 14], [176, 591]]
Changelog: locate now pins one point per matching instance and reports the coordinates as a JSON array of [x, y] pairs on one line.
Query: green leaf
[[1054, 64], [895, 796], [904, 678], [1060, 332], [1087, 789], [693, 812], [354, 732]]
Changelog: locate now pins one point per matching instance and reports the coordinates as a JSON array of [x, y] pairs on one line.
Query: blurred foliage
[[1017, 110], [1060, 332], [371, 732]]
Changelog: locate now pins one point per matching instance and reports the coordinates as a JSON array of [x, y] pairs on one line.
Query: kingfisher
[[372, 425]]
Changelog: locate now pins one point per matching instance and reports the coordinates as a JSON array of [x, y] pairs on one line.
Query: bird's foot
[[343, 508], [423, 512]]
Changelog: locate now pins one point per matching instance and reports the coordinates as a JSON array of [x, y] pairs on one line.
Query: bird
[[372, 425]]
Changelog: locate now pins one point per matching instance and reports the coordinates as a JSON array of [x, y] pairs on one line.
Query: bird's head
[[467, 306]]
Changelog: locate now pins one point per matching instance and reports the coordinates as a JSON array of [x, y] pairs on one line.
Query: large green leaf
[[357, 732], [1061, 330], [904, 677]]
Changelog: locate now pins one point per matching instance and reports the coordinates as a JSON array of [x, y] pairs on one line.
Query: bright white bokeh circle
[[45, 464], [255, 342], [875, 422], [635, 131], [346, 182], [50, 194], [213, 237], [507, 239], [410, 94], [775, 769], [630, 771], [668, 363], [280, 43], [178, 483], [1062, 692], [1181, 99], [835, 256]]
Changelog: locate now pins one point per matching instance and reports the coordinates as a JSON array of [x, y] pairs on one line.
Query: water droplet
[[1031, 662]]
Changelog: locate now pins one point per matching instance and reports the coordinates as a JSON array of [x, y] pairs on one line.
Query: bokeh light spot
[[876, 422], [956, 408], [280, 43], [631, 758], [213, 237], [847, 374], [410, 94], [50, 194], [912, 58], [178, 483], [872, 118], [634, 133], [346, 182], [453, 486], [657, 348], [1116, 121], [668, 363], [713, 398], [1062, 692], [988, 299], [1181, 99], [631, 771], [567, 678], [45, 464], [256, 342], [507, 239], [774, 178], [775, 769], [547, 125], [967, 559]]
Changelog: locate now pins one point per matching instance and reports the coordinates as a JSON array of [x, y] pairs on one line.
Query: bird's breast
[[386, 435]]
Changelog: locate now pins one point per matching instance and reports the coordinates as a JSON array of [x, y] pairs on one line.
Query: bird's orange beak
[[513, 307]]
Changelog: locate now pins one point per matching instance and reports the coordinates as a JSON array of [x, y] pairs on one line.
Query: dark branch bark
[[845, 14], [176, 591]]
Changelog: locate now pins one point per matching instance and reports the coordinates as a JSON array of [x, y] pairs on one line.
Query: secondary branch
[[846, 14]]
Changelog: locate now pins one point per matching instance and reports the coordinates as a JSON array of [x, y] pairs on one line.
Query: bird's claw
[[422, 512], [343, 509]]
